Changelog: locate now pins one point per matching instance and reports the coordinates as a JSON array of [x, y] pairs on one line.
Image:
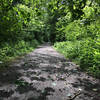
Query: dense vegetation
[[21, 30], [72, 25], [80, 28]]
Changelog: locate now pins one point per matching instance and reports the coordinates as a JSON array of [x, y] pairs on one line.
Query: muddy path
[[46, 75]]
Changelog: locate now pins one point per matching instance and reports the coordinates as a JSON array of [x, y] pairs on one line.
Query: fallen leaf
[[69, 94], [79, 89], [95, 89], [54, 84]]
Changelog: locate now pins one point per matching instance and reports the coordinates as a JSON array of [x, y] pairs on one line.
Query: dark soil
[[46, 75]]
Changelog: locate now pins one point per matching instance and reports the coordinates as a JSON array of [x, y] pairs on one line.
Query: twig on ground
[[77, 94]]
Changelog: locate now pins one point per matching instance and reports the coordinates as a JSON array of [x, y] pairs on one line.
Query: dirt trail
[[46, 75]]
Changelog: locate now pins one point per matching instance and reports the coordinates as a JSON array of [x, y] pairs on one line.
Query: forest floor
[[44, 74]]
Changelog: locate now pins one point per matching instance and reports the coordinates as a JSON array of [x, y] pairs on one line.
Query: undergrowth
[[86, 53], [10, 50]]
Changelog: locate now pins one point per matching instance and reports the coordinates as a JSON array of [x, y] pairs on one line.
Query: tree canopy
[[73, 24]]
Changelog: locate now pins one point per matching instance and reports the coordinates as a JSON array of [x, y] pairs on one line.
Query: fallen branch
[[77, 94]]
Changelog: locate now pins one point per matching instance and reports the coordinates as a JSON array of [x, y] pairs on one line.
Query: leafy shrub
[[20, 29], [70, 49], [10, 50], [85, 52]]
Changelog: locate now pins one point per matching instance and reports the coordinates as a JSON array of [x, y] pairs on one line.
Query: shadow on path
[[46, 75]]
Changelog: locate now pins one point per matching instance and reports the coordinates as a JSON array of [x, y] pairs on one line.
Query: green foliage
[[86, 53], [82, 38], [21, 30], [60, 27], [73, 24], [11, 50], [70, 49]]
